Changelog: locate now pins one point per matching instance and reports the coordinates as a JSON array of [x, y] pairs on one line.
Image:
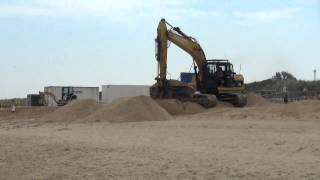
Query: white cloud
[[91, 7], [269, 15], [112, 9], [308, 2], [18, 10], [126, 10]]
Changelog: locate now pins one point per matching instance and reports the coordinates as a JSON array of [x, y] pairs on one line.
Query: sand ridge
[[302, 110], [139, 108], [255, 100], [143, 108], [75, 110], [176, 107]]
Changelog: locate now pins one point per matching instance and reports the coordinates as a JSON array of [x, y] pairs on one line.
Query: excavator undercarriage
[[173, 89]]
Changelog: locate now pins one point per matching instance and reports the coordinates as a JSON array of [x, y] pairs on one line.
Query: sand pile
[[193, 108], [306, 106], [222, 104], [253, 100], [75, 110], [300, 109], [308, 109], [176, 107], [256, 100], [303, 110], [138, 108]]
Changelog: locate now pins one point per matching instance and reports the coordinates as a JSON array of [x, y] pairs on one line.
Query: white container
[[112, 92], [80, 92]]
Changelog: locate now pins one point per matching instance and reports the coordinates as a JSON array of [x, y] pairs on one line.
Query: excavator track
[[240, 100], [205, 100], [236, 99]]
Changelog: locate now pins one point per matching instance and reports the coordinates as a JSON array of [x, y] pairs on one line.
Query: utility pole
[[315, 74]]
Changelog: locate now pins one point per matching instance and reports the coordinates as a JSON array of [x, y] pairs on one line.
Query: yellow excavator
[[67, 96], [212, 78]]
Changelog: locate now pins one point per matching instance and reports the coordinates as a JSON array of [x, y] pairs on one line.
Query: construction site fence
[[4, 103], [292, 96]]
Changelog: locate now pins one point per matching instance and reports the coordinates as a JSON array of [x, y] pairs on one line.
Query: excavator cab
[[220, 79], [68, 94], [222, 72]]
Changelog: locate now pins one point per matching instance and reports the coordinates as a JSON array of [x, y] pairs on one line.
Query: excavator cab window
[[67, 93], [220, 71], [229, 71], [211, 69], [222, 67]]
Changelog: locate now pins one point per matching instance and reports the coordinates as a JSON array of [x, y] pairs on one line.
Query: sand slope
[[139, 108], [142, 108], [75, 110], [297, 110], [254, 100], [176, 107], [185, 149]]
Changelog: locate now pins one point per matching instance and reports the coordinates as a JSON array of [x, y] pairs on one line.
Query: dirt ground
[[249, 143]]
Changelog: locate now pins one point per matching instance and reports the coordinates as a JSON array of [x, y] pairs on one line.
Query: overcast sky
[[95, 42]]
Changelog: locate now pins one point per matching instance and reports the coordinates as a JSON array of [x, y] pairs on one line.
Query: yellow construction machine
[[212, 78], [66, 96]]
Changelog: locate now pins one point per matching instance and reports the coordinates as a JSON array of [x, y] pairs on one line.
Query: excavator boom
[[54, 98], [187, 43]]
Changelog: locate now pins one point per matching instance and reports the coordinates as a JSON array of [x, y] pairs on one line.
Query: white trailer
[[112, 92]]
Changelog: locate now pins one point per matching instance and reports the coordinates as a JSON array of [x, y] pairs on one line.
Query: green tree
[[286, 75]]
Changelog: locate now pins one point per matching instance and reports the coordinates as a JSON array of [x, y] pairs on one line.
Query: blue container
[[186, 77]]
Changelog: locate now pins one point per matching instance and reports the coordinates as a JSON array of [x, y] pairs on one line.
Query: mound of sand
[[193, 108], [254, 100], [300, 109], [306, 106], [130, 109], [176, 107], [222, 104], [75, 110]]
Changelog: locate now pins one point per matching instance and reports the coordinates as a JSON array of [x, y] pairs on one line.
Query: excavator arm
[[187, 43], [54, 98]]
